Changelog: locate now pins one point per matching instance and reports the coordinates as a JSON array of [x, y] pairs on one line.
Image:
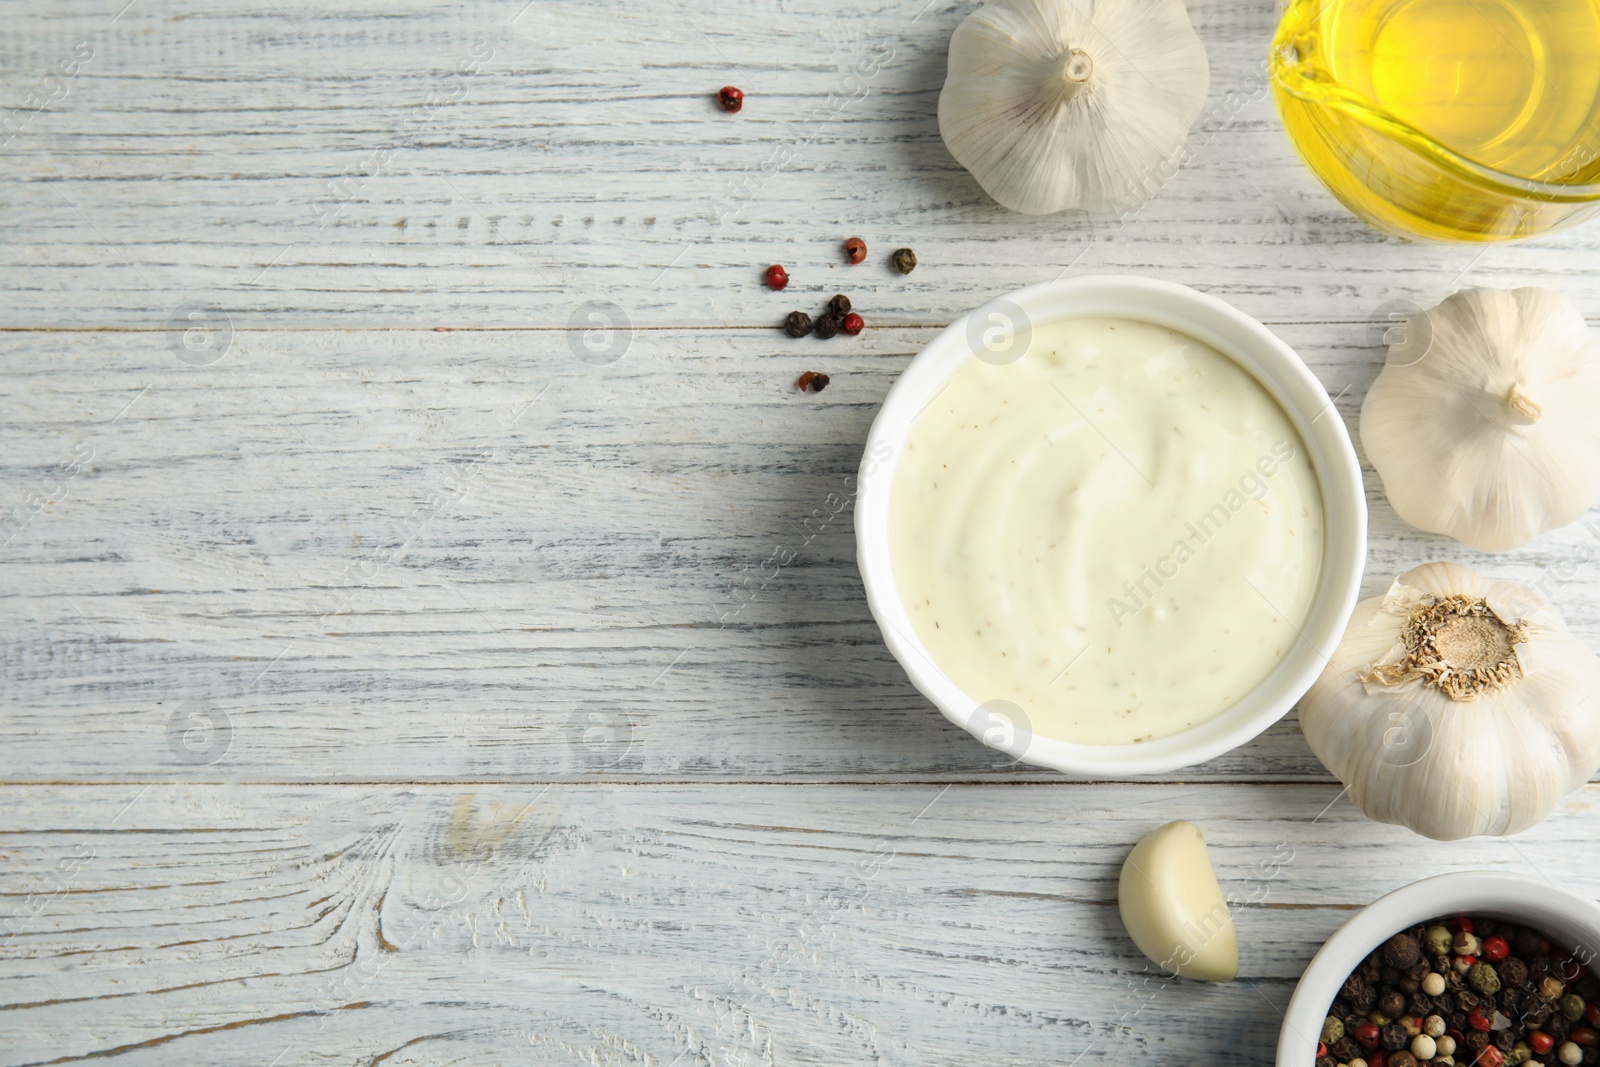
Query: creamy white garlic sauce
[[1120, 533]]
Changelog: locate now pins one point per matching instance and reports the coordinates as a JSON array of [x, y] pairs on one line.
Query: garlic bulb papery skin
[[1490, 434], [1054, 104], [1456, 705]]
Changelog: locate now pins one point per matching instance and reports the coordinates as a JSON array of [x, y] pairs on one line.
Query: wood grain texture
[[310, 165], [398, 556], [393, 435], [689, 924]]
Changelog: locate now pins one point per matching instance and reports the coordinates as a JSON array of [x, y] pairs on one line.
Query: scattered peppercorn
[[798, 324], [852, 324], [855, 249], [839, 306], [730, 98], [811, 382], [777, 277], [827, 326], [904, 260]]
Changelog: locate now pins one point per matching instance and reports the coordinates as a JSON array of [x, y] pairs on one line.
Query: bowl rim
[[1557, 912], [1260, 353]]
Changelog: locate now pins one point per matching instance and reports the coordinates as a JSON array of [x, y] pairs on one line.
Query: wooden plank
[[688, 924], [460, 165], [410, 555]]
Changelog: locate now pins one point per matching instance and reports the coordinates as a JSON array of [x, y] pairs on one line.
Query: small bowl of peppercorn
[[1478, 967]]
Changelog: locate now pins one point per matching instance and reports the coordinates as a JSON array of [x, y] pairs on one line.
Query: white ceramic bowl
[[1570, 920], [1254, 348]]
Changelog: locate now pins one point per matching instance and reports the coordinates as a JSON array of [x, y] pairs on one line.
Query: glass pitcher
[[1451, 120]]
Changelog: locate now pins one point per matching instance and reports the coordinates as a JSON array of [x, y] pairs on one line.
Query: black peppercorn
[[1392, 1003], [1514, 972], [1353, 987], [827, 326], [904, 260], [1475, 1039], [1419, 1005], [1326, 1061], [839, 306], [1402, 1059], [1538, 969], [798, 324], [1504, 1039], [1345, 1049], [1393, 1036], [1557, 1026], [1525, 942], [1401, 951]]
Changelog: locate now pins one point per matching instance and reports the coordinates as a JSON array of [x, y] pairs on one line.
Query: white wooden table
[[391, 673]]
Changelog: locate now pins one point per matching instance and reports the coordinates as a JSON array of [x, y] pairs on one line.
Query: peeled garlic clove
[[1053, 104], [1482, 422], [1173, 907]]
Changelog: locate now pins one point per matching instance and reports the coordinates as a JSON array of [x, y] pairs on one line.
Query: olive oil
[[1449, 119]]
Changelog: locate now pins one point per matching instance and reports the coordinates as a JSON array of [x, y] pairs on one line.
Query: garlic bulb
[[1054, 104], [1456, 705], [1489, 435]]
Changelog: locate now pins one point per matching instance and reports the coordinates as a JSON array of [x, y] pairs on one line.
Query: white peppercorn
[[1423, 1047], [1435, 1026], [1433, 984], [1570, 1054], [1465, 944], [1446, 1045]]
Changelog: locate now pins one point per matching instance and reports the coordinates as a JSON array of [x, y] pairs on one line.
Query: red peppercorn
[[1477, 1019], [1591, 1012], [853, 324], [1586, 1036], [1490, 1057], [1496, 949], [1379, 1058], [729, 98], [855, 249], [777, 277], [1460, 924], [1540, 1041], [1467, 960], [1368, 1034], [1322, 1049]]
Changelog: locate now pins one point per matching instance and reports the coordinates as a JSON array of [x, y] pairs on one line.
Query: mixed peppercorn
[[1464, 991]]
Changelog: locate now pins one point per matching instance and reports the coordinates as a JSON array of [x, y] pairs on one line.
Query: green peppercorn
[[1332, 1029], [1438, 939], [1483, 979], [1571, 1006], [1519, 1054], [905, 260]]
